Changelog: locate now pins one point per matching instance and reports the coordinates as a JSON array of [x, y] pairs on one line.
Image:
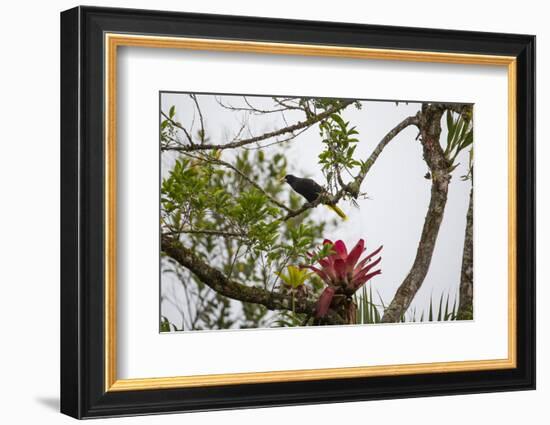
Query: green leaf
[[165, 325], [449, 121], [451, 133], [439, 311], [339, 120]]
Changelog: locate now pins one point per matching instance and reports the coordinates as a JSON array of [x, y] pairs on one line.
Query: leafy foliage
[[228, 207], [233, 226], [459, 137], [340, 143], [166, 326], [370, 312], [367, 311], [295, 276]]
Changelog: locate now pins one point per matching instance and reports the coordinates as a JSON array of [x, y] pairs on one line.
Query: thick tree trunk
[[430, 130], [465, 306]]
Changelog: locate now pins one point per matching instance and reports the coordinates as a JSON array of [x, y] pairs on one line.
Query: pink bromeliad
[[344, 273]]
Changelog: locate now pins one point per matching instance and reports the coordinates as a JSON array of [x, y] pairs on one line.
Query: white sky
[[399, 193]]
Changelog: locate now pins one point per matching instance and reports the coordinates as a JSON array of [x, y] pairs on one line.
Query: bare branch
[[178, 125], [207, 232], [355, 185], [278, 141], [285, 130], [285, 105], [251, 108], [202, 130], [353, 188]]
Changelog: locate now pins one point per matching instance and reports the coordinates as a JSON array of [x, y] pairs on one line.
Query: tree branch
[[289, 129], [430, 129], [202, 130], [353, 187], [177, 125], [206, 232], [253, 109], [220, 283], [459, 108]]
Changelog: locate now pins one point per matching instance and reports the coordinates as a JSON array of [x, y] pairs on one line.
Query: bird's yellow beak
[[282, 179]]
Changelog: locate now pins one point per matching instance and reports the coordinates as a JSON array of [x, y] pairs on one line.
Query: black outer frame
[[82, 207]]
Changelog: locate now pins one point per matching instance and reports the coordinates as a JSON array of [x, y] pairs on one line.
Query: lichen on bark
[[466, 291], [430, 132]]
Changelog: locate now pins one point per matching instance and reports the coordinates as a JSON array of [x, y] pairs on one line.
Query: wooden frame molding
[[114, 40]]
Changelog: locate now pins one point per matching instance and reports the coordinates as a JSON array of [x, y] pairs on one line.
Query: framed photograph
[[261, 212]]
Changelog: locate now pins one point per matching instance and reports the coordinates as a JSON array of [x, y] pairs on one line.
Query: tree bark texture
[[430, 131], [466, 293]]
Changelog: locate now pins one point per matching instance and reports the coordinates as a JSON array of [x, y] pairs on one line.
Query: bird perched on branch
[[310, 190]]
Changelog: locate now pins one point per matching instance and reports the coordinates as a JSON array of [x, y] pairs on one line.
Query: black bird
[[310, 190]]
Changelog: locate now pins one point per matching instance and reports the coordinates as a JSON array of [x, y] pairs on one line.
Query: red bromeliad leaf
[[355, 253], [367, 267], [362, 276], [361, 280], [327, 262], [341, 270], [365, 260], [323, 303], [341, 251], [321, 273], [372, 254]]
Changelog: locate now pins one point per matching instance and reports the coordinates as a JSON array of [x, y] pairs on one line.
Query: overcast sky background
[[399, 194]]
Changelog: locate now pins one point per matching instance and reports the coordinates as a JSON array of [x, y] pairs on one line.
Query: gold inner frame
[[113, 41]]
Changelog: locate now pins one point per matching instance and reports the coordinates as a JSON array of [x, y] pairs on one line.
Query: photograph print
[[288, 211]]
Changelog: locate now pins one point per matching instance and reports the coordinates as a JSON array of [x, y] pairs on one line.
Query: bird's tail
[[338, 211]]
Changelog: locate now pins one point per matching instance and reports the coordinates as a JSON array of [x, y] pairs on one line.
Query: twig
[[412, 120], [353, 187], [178, 125], [276, 142], [194, 97], [289, 129], [250, 108], [206, 232]]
